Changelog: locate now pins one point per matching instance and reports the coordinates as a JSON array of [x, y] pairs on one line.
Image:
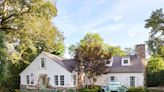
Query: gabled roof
[[134, 67], [68, 64]]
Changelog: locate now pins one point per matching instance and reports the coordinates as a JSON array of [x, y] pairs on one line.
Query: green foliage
[[93, 89], [140, 89], [155, 65], [116, 50], [27, 30], [162, 77], [155, 23], [59, 91], [71, 90], [71, 50], [91, 56]]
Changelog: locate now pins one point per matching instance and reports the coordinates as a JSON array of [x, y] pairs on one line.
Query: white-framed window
[[61, 79], [32, 78], [125, 61], [74, 79], [42, 64], [109, 62], [27, 79], [132, 81], [112, 78], [56, 80]]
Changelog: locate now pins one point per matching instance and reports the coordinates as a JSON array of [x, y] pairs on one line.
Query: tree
[[91, 57], [154, 67], [156, 24], [28, 30], [116, 50], [71, 50], [129, 51]]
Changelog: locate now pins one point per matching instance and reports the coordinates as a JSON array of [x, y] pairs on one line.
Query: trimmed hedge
[[93, 89], [140, 89]]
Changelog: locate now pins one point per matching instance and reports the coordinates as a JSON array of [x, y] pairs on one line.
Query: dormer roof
[[134, 67]]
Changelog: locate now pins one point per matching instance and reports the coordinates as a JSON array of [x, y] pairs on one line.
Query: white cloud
[[118, 17], [124, 16]]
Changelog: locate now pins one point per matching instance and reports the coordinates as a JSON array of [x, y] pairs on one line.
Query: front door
[[42, 82]]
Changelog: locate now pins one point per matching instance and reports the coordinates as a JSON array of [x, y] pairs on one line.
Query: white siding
[[123, 78], [52, 68]]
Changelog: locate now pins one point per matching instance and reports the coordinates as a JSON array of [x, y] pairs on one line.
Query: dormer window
[[109, 62], [42, 62], [125, 61]]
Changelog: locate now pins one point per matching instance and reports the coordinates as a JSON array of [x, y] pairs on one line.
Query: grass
[[154, 90]]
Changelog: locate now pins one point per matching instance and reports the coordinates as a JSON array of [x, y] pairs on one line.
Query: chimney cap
[[140, 44]]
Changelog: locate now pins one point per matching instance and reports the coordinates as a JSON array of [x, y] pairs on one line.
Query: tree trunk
[[80, 80]]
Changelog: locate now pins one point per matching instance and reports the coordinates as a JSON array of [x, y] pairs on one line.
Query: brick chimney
[[140, 51]]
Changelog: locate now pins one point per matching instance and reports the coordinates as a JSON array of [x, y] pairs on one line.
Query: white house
[[51, 71], [128, 70]]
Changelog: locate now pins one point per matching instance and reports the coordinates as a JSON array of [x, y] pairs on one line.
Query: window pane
[[42, 62], [132, 81], [56, 80], [112, 78], [62, 80], [32, 78], [74, 79], [27, 79], [125, 61], [108, 62]]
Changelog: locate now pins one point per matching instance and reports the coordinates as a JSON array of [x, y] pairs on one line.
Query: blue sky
[[119, 22]]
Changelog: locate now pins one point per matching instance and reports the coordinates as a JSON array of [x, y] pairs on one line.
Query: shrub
[[155, 65], [162, 77], [139, 89], [59, 91], [92, 89], [70, 90]]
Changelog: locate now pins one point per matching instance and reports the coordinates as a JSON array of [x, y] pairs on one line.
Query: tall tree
[[156, 38], [28, 30], [154, 68], [91, 57], [116, 50]]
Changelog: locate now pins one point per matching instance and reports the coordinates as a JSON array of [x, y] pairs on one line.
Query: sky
[[118, 22]]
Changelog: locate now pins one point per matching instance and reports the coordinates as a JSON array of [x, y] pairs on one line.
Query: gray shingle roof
[[68, 64], [135, 67]]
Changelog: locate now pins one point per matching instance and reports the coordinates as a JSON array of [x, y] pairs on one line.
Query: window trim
[[111, 62], [128, 61], [74, 79], [62, 80], [32, 78], [43, 63], [56, 80], [28, 79], [111, 78], [132, 81]]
